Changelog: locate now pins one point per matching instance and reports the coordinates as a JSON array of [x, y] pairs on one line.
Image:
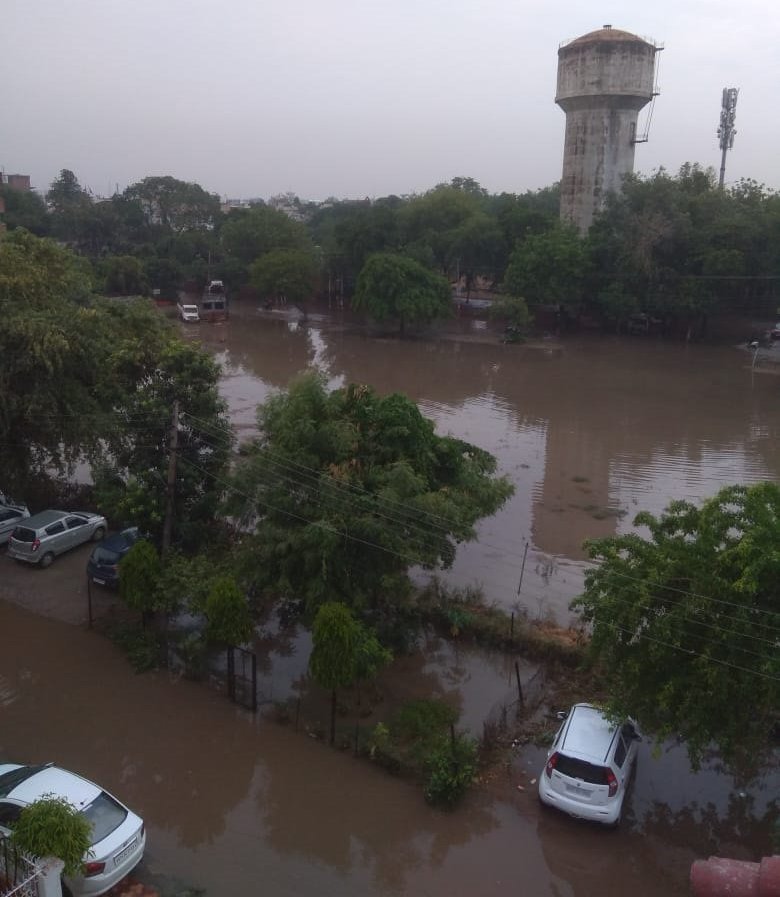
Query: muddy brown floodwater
[[590, 431], [237, 804]]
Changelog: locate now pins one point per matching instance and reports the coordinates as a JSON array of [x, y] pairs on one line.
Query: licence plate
[[125, 852], [100, 582]]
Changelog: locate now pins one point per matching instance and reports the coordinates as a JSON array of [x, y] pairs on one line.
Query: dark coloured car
[[103, 564]]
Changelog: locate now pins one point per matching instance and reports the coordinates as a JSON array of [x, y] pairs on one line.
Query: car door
[[77, 528], [55, 539], [8, 520], [622, 760]]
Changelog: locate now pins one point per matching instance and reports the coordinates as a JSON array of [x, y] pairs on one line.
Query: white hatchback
[[590, 765], [118, 835]]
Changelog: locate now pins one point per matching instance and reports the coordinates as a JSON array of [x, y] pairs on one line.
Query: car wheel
[[98, 534], [46, 560]]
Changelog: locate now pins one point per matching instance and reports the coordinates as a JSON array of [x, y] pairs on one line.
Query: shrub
[[52, 826], [450, 765]]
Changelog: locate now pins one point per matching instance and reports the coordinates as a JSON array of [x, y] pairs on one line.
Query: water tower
[[604, 79]]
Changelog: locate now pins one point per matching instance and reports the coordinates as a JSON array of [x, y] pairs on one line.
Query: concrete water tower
[[604, 79]]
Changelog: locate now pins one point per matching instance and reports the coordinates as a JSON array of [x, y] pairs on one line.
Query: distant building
[[604, 79], [16, 181]]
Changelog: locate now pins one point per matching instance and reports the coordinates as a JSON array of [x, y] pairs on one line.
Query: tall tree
[[393, 287], [131, 483], [249, 233], [346, 490], [548, 267], [174, 205], [70, 206], [51, 363], [26, 209], [288, 274], [686, 622]]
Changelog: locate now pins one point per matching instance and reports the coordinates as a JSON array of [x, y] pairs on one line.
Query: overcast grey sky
[[355, 98]]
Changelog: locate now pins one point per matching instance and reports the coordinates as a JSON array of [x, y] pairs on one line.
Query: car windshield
[[580, 769], [9, 780], [105, 556], [104, 815], [23, 534]]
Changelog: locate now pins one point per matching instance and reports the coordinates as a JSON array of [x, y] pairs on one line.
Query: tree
[[125, 276], [289, 274], [173, 205], [548, 267], [227, 613], [52, 366], [343, 651], [139, 578], [26, 209], [685, 622], [346, 490], [394, 287], [70, 206], [52, 826], [131, 482], [514, 310], [249, 233]]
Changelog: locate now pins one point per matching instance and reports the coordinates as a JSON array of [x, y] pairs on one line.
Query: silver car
[[43, 536], [11, 515]]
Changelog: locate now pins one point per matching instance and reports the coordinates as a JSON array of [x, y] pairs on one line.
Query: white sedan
[[118, 835]]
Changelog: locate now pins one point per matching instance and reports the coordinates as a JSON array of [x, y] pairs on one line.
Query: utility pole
[[170, 486], [726, 130]]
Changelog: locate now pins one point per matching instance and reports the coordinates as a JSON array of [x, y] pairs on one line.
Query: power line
[[693, 653]]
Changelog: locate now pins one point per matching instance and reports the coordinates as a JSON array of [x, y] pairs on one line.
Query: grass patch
[[145, 648], [464, 614]]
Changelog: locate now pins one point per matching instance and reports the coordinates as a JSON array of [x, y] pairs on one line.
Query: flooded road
[[590, 430], [237, 804]]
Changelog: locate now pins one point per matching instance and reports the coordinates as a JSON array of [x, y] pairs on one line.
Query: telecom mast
[[727, 131]]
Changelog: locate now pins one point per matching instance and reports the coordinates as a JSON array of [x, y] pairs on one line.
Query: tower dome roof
[[607, 33]]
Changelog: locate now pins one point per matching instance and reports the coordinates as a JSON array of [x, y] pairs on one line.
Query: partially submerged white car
[[589, 765], [118, 835], [188, 313]]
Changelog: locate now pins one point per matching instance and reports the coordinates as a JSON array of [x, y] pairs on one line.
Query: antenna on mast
[[726, 130]]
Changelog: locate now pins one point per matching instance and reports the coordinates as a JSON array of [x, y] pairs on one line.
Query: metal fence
[[242, 677], [19, 875]]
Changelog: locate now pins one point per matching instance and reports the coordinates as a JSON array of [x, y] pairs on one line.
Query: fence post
[[520, 699], [254, 682]]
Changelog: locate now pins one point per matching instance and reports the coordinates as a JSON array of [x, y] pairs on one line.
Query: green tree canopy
[[394, 287], [139, 578], [548, 267], [289, 274], [227, 613], [173, 205], [686, 621], [26, 209], [248, 234], [347, 489], [51, 365], [131, 483]]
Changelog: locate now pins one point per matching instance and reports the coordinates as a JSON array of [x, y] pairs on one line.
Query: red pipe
[[720, 877]]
